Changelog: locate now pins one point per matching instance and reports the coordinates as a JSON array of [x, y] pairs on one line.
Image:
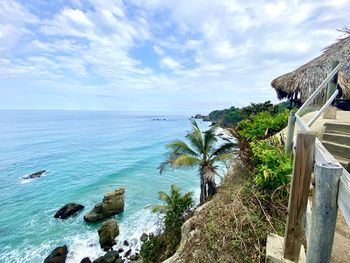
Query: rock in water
[[109, 257], [34, 175], [107, 233], [58, 255], [144, 237], [112, 204], [68, 210], [85, 260]]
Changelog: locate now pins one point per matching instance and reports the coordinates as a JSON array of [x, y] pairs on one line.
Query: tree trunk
[[203, 191], [211, 188]]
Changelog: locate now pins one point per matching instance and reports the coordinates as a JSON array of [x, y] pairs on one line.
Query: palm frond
[[178, 161], [185, 161], [209, 140], [165, 197], [195, 137], [224, 148], [180, 147]]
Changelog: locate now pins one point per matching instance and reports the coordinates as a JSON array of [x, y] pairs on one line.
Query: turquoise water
[[85, 153]]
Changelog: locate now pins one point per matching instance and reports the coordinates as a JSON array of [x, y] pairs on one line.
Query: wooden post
[[302, 169], [331, 112], [332, 84], [290, 133], [324, 213]]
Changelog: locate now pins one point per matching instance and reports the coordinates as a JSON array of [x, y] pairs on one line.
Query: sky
[[157, 55]]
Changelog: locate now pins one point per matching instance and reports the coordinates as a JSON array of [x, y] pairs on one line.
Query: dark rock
[[109, 257], [119, 260], [127, 253], [85, 260], [134, 257], [112, 204], [107, 233], [34, 175], [58, 255], [68, 210], [144, 237], [126, 243], [120, 250]]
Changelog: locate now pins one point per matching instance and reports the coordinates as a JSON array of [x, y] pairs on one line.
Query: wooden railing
[[315, 217]]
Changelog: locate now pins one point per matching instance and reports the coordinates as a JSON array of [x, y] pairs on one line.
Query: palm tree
[[174, 207], [203, 153]]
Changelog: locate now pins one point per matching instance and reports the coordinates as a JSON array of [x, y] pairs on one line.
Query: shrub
[[262, 125], [175, 208], [272, 165]]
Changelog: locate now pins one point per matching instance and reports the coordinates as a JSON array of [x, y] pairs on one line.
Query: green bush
[[262, 125], [159, 248], [273, 166], [175, 206]]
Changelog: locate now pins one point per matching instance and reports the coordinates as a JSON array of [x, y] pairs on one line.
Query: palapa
[[302, 82]]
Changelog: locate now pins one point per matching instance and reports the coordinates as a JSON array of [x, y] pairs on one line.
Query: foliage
[[234, 226], [158, 248], [262, 125], [233, 115], [273, 166], [175, 207], [203, 153]]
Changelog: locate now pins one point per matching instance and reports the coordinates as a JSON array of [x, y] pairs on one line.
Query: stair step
[[337, 149], [343, 139], [344, 162], [338, 128]]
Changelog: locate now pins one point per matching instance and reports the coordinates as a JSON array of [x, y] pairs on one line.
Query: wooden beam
[[324, 213], [298, 197], [290, 133]]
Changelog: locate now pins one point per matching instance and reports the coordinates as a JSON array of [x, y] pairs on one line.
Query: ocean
[[86, 154]]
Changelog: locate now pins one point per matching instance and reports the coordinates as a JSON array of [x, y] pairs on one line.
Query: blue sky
[[156, 55]]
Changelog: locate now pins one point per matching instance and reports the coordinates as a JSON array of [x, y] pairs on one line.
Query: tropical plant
[[273, 167], [174, 207], [202, 153], [261, 125]]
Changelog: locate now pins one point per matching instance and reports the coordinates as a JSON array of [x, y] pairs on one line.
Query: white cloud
[[224, 48]]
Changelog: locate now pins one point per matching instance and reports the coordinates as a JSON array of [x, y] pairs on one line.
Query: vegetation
[[273, 166], [230, 117], [234, 226], [261, 125], [252, 200], [202, 153], [175, 207]]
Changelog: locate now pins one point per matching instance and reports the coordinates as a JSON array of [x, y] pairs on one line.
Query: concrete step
[[338, 128], [343, 151], [344, 162], [337, 138]]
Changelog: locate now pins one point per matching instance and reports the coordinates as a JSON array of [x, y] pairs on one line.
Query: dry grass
[[234, 226]]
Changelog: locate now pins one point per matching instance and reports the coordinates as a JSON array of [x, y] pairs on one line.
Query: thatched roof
[[305, 79]]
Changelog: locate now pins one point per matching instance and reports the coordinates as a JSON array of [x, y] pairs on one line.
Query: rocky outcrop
[[34, 175], [68, 210], [143, 237], [58, 255], [109, 257], [112, 204], [85, 260], [107, 233]]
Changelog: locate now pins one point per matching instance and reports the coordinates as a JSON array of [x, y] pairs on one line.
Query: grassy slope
[[234, 226]]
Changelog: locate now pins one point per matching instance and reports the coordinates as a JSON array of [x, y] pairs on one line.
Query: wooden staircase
[[336, 139]]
